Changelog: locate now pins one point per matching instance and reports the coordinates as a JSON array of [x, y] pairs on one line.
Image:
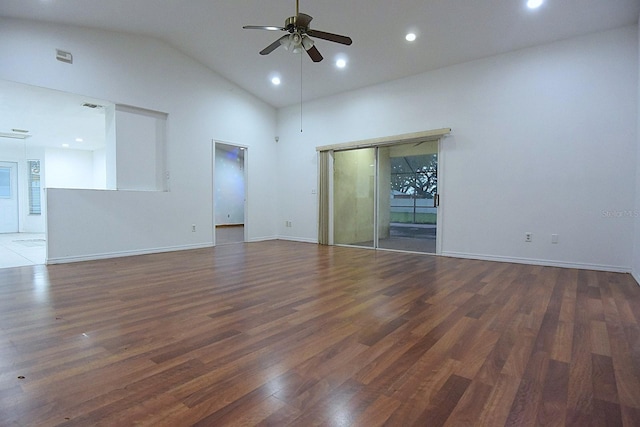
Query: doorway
[[230, 189], [9, 197]]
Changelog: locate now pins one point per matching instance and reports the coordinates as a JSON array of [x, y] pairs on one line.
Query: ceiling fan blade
[[303, 20], [273, 46], [314, 54], [336, 38], [264, 27]]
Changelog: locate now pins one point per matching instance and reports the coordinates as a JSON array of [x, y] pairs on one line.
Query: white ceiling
[[210, 31], [51, 118], [449, 32]]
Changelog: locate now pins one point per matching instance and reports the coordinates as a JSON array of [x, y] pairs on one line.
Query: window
[[34, 188]]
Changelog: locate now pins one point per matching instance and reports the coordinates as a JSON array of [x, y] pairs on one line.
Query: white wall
[[636, 252], [538, 135], [140, 149], [99, 168], [146, 73], [68, 168]]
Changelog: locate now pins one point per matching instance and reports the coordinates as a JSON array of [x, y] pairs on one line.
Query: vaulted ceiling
[[448, 32]]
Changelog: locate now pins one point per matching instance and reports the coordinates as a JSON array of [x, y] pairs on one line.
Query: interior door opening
[[8, 197], [230, 189]]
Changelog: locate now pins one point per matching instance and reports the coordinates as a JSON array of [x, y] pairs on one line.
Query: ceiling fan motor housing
[[290, 23]]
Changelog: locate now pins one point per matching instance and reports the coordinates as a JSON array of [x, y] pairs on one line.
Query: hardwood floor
[[283, 333]]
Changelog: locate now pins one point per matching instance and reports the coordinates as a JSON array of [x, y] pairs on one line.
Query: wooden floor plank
[[295, 334], [553, 404], [498, 405], [470, 405], [444, 402]]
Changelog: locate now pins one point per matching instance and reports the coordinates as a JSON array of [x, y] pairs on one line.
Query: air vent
[[63, 56]]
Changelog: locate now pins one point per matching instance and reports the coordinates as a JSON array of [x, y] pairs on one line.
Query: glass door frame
[[325, 182]]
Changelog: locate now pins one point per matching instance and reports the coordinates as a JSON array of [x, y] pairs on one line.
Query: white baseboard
[[121, 254], [548, 263], [543, 262], [94, 257], [287, 238], [263, 239], [297, 239]]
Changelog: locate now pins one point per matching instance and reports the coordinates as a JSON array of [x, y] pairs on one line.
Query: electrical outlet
[[193, 228], [554, 238], [528, 236]]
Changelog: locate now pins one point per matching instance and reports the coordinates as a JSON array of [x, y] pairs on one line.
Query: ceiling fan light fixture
[[292, 43], [307, 43]]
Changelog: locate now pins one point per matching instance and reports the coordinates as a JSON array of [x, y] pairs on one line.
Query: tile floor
[[21, 249]]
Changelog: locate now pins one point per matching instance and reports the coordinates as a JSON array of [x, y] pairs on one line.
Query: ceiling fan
[[299, 36]]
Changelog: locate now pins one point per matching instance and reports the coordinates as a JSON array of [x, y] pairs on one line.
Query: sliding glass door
[[386, 197], [354, 197], [407, 191]]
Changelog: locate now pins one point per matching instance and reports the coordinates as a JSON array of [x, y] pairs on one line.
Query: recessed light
[[65, 145], [79, 140], [341, 63], [534, 4], [275, 81], [410, 37]]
